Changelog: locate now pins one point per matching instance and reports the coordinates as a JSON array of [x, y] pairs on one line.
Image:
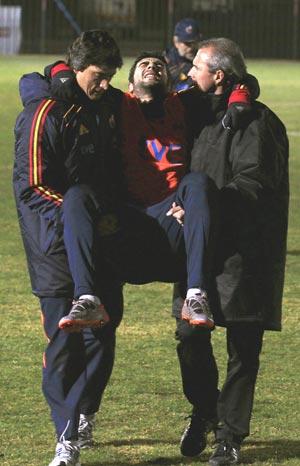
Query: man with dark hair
[[186, 38], [249, 168], [65, 155]]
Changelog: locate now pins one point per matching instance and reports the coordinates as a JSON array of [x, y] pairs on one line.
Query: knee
[[78, 192], [78, 199]]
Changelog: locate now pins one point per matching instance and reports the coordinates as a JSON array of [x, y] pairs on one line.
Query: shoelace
[[66, 451], [86, 426], [225, 447], [199, 299]]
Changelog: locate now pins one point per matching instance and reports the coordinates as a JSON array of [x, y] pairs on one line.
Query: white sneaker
[[84, 313], [196, 311], [66, 454], [85, 430]]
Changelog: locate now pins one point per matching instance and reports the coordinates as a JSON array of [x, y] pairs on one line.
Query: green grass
[[143, 409]]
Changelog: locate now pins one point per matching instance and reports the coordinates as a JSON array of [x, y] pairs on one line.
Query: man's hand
[[237, 116], [62, 81], [177, 212]]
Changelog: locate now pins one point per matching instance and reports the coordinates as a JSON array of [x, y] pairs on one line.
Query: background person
[[186, 38], [249, 168]]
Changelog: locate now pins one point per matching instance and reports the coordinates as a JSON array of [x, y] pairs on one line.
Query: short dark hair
[[145, 54], [94, 47]]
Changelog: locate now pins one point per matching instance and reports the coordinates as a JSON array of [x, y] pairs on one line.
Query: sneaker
[[225, 453], [85, 430], [196, 311], [194, 438], [66, 454], [84, 313]]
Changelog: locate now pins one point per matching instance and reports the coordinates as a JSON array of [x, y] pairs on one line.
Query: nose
[[190, 73], [150, 65], [104, 83]]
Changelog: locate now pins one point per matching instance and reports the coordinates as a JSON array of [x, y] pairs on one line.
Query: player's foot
[[225, 453], [85, 430], [197, 312], [84, 313], [66, 454], [194, 437]]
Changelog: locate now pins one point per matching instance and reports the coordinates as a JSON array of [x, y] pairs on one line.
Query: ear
[[219, 77]]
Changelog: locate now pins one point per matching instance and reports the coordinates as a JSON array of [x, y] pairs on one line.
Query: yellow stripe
[[49, 193], [35, 142], [68, 111]]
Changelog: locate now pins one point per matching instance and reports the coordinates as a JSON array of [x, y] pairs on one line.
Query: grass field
[[143, 411]]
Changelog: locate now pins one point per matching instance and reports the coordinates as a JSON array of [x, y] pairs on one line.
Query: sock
[[193, 291]]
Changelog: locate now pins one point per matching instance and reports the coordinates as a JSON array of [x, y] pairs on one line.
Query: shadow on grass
[[137, 441], [293, 253], [279, 449], [254, 452], [159, 461]]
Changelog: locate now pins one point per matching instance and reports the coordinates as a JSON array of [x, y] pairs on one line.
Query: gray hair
[[226, 56]]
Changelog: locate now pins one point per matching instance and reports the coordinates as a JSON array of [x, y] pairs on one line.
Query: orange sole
[[202, 323], [78, 325]]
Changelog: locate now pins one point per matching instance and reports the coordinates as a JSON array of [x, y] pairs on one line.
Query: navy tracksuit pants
[[77, 366], [138, 245]]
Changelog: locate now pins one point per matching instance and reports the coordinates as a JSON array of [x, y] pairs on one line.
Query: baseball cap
[[187, 30]]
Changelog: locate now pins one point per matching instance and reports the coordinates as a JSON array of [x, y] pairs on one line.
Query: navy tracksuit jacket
[[58, 145]]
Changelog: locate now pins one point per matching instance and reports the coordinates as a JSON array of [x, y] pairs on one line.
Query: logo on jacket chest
[[88, 149]]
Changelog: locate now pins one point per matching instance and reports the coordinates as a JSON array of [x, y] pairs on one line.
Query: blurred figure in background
[[180, 56]]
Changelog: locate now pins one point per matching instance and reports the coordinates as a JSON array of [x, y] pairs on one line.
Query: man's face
[[94, 80], [186, 49], [150, 72], [200, 73]]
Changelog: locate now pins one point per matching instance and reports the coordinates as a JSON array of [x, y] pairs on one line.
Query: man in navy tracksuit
[[62, 147]]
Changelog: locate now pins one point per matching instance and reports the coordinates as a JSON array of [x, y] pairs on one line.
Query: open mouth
[[152, 75]]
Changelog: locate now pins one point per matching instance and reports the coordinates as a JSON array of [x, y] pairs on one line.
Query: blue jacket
[[179, 68], [58, 144]]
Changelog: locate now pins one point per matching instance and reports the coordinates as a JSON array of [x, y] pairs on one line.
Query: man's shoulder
[[265, 112], [172, 56]]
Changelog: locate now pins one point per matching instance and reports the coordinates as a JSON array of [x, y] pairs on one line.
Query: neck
[[149, 94], [219, 90]]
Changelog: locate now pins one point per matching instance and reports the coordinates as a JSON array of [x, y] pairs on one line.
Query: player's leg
[[81, 211], [192, 195]]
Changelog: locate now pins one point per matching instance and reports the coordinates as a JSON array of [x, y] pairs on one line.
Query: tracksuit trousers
[[233, 404], [139, 245], [77, 366]]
